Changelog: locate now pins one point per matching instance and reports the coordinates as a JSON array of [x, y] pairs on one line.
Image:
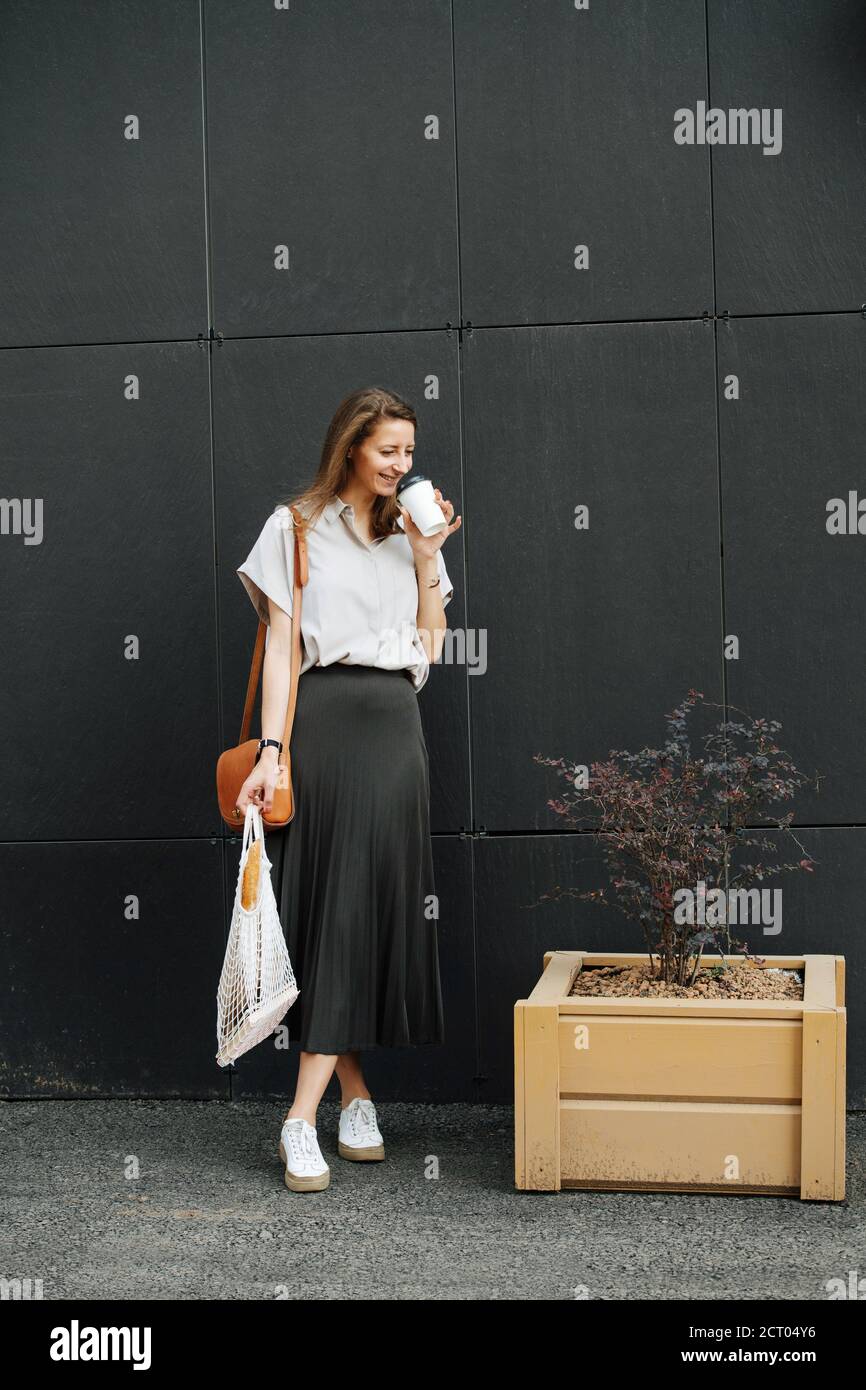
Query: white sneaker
[[306, 1169], [359, 1136]]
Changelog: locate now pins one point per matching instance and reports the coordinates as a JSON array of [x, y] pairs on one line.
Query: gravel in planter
[[738, 981]]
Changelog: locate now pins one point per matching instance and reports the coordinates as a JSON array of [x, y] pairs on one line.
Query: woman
[[353, 868]]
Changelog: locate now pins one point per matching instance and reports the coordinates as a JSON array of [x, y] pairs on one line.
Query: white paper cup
[[417, 496]]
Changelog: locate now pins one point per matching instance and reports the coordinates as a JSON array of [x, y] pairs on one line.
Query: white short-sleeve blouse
[[360, 601]]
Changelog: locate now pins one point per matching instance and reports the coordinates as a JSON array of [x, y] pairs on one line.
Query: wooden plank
[[840, 981], [818, 1145], [556, 980], [692, 1187], [519, 1095], [541, 1097], [626, 1005], [841, 1080], [643, 1058], [820, 990], [841, 1098], [715, 1146]]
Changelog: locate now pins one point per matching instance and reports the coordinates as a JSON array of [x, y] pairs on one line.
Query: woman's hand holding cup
[[427, 516]]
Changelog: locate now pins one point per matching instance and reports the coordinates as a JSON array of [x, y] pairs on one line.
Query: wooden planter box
[[681, 1095]]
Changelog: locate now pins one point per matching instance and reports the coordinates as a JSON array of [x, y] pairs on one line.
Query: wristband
[[268, 743]]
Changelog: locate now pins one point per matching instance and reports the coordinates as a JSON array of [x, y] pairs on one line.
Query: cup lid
[[408, 479]]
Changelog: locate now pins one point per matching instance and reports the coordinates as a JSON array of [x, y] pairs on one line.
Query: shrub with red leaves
[[669, 820]]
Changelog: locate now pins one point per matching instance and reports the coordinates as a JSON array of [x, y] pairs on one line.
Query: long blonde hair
[[355, 417]]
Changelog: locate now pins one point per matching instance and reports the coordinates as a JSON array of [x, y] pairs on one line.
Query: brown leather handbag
[[235, 764]]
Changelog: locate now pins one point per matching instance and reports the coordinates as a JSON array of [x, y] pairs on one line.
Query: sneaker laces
[[366, 1110], [301, 1139]]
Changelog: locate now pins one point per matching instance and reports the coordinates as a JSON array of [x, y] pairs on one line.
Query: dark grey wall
[[431, 168]]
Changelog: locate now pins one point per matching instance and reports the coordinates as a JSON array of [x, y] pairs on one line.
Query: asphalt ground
[[181, 1200]]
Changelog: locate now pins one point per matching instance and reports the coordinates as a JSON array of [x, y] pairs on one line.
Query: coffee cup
[[416, 494]]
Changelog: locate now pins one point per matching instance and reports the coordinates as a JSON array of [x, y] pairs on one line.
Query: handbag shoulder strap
[[299, 578]]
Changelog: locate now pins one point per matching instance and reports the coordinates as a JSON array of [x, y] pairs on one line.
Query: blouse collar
[[333, 508], [337, 506]]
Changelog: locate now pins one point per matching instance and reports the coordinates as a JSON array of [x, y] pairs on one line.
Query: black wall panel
[[111, 952], [331, 134], [430, 170], [791, 443], [592, 635], [271, 397], [566, 139], [789, 226], [114, 443], [102, 219], [514, 928]]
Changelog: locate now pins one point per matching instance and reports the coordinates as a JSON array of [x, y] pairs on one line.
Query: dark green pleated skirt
[[353, 870]]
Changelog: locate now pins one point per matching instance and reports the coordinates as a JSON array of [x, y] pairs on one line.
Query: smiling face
[[379, 461]]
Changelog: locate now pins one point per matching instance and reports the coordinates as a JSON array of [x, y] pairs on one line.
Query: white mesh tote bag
[[257, 985]]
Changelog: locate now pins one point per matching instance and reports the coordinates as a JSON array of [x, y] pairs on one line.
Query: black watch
[[268, 743]]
